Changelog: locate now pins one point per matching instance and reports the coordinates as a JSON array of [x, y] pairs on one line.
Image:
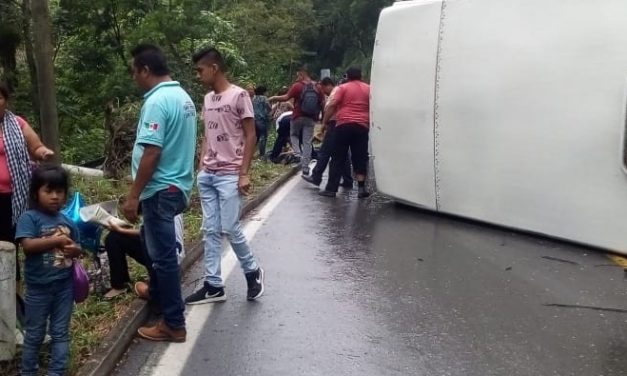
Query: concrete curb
[[115, 344]]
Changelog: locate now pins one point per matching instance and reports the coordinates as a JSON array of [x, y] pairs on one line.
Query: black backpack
[[309, 101]]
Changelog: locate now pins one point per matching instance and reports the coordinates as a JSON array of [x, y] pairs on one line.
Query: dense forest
[[89, 43]]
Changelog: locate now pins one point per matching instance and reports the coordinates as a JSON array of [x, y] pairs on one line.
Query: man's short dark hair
[[4, 91], [304, 68], [210, 55], [150, 56], [353, 74], [327, 81], [261, 90]]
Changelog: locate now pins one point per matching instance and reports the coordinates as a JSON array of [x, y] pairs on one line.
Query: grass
[[93, 319]]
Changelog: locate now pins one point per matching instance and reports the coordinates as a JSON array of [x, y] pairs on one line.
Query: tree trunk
[[27, 36], [9, 40], [42, 33]]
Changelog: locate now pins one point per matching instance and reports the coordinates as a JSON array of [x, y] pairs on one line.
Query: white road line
[[174, 359]]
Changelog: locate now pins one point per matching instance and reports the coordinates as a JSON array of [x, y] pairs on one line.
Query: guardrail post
[[7, 301]]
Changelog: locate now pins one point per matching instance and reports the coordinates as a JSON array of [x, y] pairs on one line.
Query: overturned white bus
[[511, 112]]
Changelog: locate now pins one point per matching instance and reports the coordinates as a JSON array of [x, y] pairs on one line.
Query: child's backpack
[[310, 101]]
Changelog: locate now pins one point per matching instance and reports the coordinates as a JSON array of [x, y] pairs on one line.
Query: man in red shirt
[[351, 107], [308, 102]]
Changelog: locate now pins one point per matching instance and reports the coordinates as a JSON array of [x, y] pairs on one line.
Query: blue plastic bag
[[89, 233]]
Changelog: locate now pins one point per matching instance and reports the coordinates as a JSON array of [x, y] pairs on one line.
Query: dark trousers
[[159, 238], [261, 129], [7, 229], [353, 137], [324, 155], [118, 246], [282, 139]]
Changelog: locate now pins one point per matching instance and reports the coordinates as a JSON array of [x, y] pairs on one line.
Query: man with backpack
[[308, 102]]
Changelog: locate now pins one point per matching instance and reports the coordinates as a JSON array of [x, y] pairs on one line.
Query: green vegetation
[[264, 42]]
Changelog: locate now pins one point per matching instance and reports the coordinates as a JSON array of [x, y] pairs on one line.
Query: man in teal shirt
[[162, 169]]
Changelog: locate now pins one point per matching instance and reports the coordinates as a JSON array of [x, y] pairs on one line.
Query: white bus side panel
[[531, 115], [403, 81]]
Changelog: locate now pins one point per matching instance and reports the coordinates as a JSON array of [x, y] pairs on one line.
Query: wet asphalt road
[[374, 288]]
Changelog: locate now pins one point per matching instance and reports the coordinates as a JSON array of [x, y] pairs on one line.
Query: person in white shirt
[[283, 134]]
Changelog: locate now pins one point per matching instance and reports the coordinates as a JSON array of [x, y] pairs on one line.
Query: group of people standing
[[163, 176], [345, 113], [163, 164]]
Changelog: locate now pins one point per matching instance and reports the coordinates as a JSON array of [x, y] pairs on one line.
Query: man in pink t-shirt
[[351, 106], [226, 155]]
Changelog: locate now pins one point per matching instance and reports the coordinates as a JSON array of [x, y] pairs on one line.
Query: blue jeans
[[53, 302], [221, 204], [303, 127], [159, 238]]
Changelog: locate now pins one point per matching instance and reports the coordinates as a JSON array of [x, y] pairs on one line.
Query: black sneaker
[[363, 193], [326, 193], [206, 294], [311, 179], [255, 284]]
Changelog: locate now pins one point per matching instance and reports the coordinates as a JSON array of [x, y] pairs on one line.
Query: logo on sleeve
[[151, 126], [189, 109]]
